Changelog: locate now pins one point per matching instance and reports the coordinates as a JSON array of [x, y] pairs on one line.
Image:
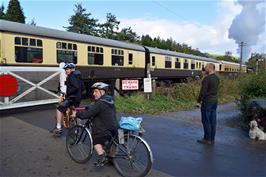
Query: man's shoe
[[204, 141], [57, 132], [101, 162]]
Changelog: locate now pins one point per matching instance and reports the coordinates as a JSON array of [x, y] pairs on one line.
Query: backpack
[[77, 73]]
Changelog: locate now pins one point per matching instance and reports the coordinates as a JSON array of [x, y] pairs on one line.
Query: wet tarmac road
[[172, 137]]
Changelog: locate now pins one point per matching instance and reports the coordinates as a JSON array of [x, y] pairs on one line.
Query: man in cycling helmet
[[72, 96], [104, 122]]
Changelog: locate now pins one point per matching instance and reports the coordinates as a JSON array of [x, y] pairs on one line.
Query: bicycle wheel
[[79, 144], [134, 157]]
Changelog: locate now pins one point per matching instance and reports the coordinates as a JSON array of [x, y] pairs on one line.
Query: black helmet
[[100, 86], [69, 65]]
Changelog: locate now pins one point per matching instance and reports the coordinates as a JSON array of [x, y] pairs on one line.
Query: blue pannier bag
[[130, 123]]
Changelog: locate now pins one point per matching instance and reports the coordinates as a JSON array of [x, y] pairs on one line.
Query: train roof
[[182, 55], [228, 62], [65, 35]]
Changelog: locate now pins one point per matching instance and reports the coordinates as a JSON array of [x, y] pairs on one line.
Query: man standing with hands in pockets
[[208, 100]]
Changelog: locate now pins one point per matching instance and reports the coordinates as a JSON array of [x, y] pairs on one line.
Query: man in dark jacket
[[72, 97], [208, 100], [104, 122]]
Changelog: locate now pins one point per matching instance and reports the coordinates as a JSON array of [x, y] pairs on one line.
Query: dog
[[255, 132]]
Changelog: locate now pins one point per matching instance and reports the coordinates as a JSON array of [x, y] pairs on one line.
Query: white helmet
[[100, 86]]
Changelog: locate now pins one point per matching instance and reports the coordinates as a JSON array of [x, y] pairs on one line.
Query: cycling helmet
[[69, 65], [100, 86]]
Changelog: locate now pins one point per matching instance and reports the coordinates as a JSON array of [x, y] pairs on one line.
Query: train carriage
[[25, 45], [97, 58]]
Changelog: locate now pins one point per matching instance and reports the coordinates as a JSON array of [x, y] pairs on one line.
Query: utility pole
[[241, 55]]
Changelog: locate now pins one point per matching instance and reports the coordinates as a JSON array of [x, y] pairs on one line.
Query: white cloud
[[208, 38]]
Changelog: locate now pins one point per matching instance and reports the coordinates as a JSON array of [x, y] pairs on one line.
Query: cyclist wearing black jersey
[[104, 122], [72, 96]]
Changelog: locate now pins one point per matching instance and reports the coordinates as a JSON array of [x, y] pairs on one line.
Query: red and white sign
[[130, 84]]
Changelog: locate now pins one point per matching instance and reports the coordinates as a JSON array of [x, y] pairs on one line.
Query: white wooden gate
[[36, 86]]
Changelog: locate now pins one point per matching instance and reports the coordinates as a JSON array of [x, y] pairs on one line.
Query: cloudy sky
[[202, 24]]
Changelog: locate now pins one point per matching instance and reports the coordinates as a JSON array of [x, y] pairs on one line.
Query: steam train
[[98, 58]]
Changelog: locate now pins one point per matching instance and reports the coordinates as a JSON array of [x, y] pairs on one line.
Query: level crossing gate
[[35, 86]]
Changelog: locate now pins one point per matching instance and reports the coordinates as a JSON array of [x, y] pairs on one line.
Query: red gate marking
[[8, 85]]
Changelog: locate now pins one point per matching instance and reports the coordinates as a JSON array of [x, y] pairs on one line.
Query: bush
[[251, 87]]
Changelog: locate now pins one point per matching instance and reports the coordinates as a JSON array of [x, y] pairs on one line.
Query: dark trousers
[[208, 118]]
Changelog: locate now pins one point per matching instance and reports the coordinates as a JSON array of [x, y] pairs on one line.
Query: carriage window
[[58, 45], [168, 62], [39, 43], [95, 58], [66, 56], [186, 64], [192, 64], [26, 50], [153, 61], [69, 46], [117, 57], [66, 52], [64, 45], [28, 54], [74, 46], [33, 42], [24, 41], [177, 63], [18, 40], [130, 59]]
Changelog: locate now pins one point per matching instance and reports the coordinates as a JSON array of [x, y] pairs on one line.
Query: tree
[[146, 40], [126, 34], [15, 12], [109, 27], [257, 58], [2, 13], [81, 22]]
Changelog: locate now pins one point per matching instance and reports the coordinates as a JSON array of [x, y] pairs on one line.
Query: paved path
[[27, 148]]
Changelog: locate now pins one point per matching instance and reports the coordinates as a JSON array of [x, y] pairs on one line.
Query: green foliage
[[15, 12], [109, 28], [228, 90], [227, 58], [81, 22], [2, 12], [179, 97], [126, 34], [256, 61], [250, 87], [169, 44]]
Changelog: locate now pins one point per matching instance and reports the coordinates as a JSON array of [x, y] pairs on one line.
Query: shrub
[[251, 87]]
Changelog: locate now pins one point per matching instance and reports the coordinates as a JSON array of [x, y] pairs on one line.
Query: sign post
[[147, 86]]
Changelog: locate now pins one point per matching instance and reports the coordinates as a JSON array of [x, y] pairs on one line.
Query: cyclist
[[72, 96], [104, 122]]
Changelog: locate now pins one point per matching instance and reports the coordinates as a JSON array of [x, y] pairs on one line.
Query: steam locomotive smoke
[[247, 26]]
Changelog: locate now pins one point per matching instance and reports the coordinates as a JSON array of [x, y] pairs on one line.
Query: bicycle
[[130, 154], [68, 120]]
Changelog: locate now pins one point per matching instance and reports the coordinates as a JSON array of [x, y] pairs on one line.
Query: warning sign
[[130, 84]]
